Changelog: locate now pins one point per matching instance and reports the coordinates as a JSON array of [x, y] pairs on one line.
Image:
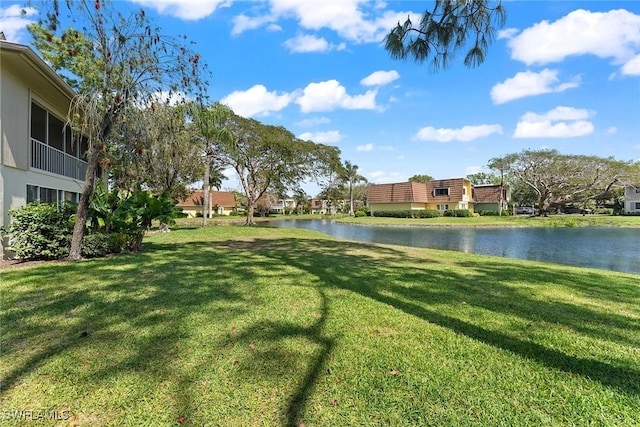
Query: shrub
[[360, 213], [96, 245], [458, 213], [419, 213], [428, 213], [603, 211], [505, 212], [41, 231]]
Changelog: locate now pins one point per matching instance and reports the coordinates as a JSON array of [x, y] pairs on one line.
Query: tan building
[[442, 195], [222, 203]]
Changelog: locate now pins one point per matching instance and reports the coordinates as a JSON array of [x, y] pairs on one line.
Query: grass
[[261, 326]]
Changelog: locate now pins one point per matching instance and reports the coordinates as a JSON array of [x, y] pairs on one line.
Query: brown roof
[[488, 193], [420, 192], [220, 198], [398, 192]]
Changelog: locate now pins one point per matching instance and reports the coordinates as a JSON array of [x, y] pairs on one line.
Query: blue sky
[[562, 75]]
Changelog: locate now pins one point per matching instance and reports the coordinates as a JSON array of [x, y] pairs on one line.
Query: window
[[637, 190], [50, 130], [70, 196], [443, 207], [32, 193], [49, 195], [38, 123], [56, 133], [638, 206], [441, 192]]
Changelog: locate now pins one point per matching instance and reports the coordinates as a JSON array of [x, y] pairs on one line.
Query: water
[[607, 248]]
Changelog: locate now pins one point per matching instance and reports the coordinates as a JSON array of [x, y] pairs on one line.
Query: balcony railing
[[52, 160]]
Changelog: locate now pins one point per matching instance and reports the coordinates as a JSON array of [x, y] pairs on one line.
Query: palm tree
[[350, 176], [211, 126], [215, 181]]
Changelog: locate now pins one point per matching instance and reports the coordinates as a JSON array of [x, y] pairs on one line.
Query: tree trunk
[[351, 213], [250, 220], [501, 193], [75, 251], [250, 210], [205, 191]]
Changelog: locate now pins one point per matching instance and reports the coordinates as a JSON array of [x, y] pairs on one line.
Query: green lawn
[[242, 326]]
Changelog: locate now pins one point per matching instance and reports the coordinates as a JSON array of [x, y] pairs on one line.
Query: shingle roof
[[487, 193], [220, 198], [398, 192]]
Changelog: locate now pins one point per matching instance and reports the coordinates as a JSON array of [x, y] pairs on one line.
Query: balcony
[[52, 160]]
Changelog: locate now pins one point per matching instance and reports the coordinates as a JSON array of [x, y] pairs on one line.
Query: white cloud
[[189, 10], [313, 121], [357, 21], [330, 95], [242, 23], [507, 33], [380, 78], [614, 34], [561, 122], [632, 67], [365, 147], [612, 130], [14, 21], [466, 133], [327, 137], [256, 101], [529, 83], [305, 43]]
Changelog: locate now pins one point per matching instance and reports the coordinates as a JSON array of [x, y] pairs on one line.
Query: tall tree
[[481, 178], [450, 26], [557, 179], [153, 149], [351, 176], [113, 63], [421, 178], [210, 130], [270, 158]]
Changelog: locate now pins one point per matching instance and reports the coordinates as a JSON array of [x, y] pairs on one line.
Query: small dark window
[[48, 195], [441, 192], [38, 123], [56, 133], [638, 206], [32, 193]]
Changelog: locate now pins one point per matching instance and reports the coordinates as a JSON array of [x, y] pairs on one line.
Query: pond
[[607, 248]]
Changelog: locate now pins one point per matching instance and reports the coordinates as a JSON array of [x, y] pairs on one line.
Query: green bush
[[505, 212], [428, 213], [360, 213], [96, 245], [458, 213], [418, 213], [41, 231], [603, 211]]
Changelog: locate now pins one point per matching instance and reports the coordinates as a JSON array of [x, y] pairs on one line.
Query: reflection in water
[[608, 248]]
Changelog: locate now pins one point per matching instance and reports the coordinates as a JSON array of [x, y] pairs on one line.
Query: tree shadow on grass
[[45, 316], [334, 264]]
